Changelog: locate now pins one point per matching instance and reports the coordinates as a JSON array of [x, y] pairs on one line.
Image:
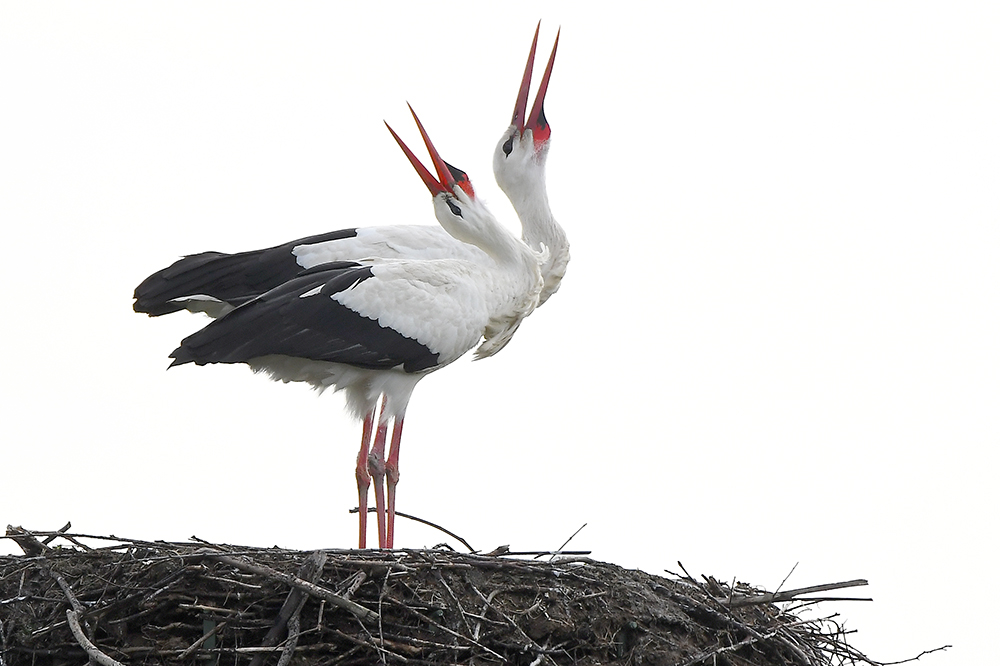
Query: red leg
[[392, 471], [376, 467], [364, 479]]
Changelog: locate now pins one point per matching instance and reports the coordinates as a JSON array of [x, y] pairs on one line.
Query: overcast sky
[[776, 345]]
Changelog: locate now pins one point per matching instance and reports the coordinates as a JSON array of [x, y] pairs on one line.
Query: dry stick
[[309, 571], [89, 648], [906, 661], [792, 642], [785, 579], [724, 617], [26, 539], [357, 610], [381, 595], [49, 539], [560, 549], [319, 615], [31, 546], [201, 641], [726, 648], [487, 601], [542, 553], [428, 523], [789, 595], [488, 604], [69, 537], [293, 636], [357, 641], [356, 581], [704, 590], [458, 603], [443, 628]]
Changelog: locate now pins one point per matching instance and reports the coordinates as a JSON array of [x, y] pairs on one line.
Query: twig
[[487, 601], [429, 524], [49, 539], [542, 553], [384, 590], [381, 650], [289, 611], [443, 628], [352, 585], [488, 604], [31, 546], [201, 641], [359, 611], [906, 661], [458, 604], [560, 549], [785, 579], [789, 595], [89, 648], [293, 637], [727, 648]]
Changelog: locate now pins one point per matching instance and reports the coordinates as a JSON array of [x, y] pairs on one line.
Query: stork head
[[455, 204], [519, 159]]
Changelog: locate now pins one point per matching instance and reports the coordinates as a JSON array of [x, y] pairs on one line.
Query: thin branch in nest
[[359, 611], [790, 595], [566, 542], [425, 618], [906, 661], [288, 614], [201, 641], [714, 654], [458, 604], [424, 522], [785, 579], [95, 655], [488, 604], [27, 541], [370, 644], [293, 637], [352, 584]]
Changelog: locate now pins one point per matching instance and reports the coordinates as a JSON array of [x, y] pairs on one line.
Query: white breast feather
[[437, 303]]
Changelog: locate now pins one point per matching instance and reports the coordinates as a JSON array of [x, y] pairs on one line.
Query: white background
[[777, 342]]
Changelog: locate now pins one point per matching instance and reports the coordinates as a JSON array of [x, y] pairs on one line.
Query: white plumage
[[371, 311], [216, 282]]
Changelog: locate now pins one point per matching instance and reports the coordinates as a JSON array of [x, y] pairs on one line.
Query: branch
[[789, 595], [81, 638], [288, 614], [359, 611], [425, 522]]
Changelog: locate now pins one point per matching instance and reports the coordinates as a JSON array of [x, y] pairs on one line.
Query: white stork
[[217, 282], [374, 328]]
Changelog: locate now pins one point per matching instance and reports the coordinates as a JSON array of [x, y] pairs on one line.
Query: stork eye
[[455, 210], [508, 146]]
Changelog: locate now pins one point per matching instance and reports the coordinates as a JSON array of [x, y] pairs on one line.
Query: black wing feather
[[231, 278], [315, 327]]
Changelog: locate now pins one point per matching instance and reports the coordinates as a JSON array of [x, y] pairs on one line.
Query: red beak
[[521, 106], [448, 176], [535, 121]]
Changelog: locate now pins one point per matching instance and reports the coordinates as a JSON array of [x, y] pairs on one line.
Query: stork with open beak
[[519, 167], [216, 282], [375, 328]]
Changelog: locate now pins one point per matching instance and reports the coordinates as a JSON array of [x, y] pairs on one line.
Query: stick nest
[[139, 602]]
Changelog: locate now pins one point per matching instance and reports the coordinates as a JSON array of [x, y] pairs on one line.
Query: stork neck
[[539, 228], [476, 226]]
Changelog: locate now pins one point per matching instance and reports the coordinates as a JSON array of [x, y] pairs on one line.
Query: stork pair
[[371, 311]]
